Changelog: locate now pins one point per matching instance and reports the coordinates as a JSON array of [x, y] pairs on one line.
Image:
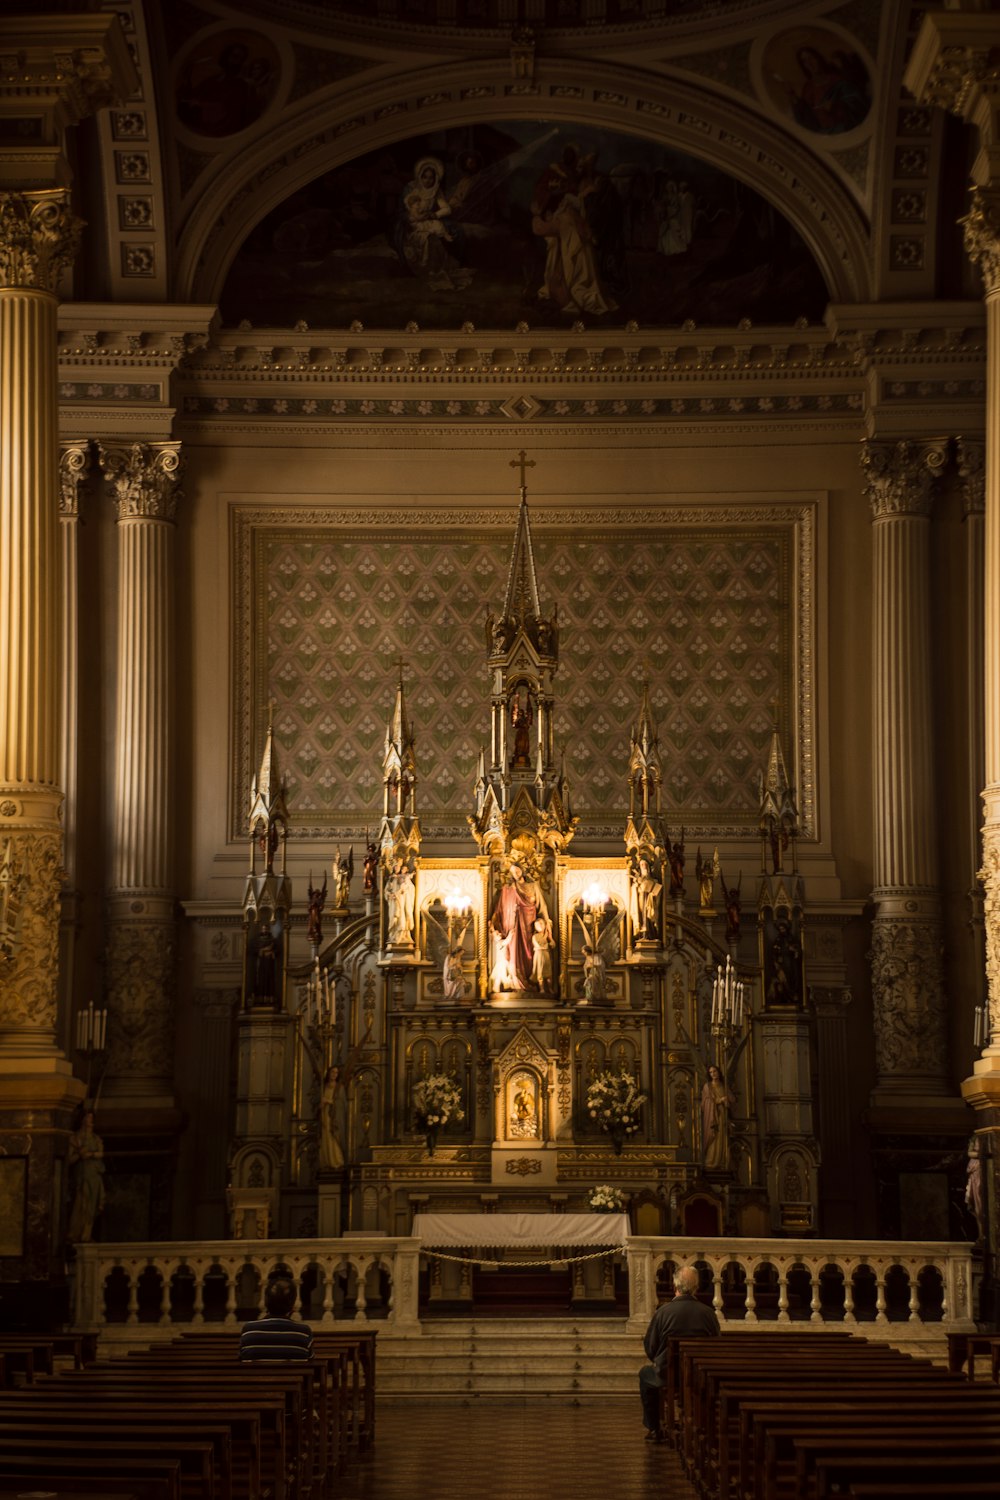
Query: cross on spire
[[522, 462]]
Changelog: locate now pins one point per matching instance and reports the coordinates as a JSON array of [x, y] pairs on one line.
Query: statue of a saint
[[645, 902], [706, 871], [503, 975], [733, 910], [520, 718], [595, 975], [523, 1122], [265, 963], [454, 978], [716, 1101], [331, 1110], [541, 956], [974, 1182], [519, 905], [400, 899], [317, 900], [675, 854], [343, 872], [86, 1162], [370, 868]]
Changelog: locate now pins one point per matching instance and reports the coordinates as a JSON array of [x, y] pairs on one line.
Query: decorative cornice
[[899, 477], [145, 478], [39, 238]]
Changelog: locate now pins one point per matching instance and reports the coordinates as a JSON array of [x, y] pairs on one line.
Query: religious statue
[[520, 718], [595, 975], [541, 956], [86, 1161], [783, 971], [503, 975], [343, 873], [331, 1112], [644, 900], [400, 896], [370, 868], [520, 904], [716, 1101], [706, 870], [265, 963], [731, 893], [317, 900], [455, 984], [974, 1182], [523, 1122], [675, 854]]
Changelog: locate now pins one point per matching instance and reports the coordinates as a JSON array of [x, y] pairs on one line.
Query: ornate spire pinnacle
[[520, 603], [268, 792], [644, 771], [399, 766], [779, 815]]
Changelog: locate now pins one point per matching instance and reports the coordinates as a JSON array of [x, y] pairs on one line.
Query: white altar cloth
[[506, 1230]]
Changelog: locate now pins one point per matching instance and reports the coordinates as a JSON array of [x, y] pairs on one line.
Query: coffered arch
[[669, 112]]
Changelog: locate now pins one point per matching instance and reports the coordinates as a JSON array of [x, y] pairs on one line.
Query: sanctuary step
[[511, 1357]]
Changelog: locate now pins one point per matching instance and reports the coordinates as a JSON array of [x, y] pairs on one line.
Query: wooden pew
[[154, 1478], [834, 1473], [790, 1449], [193, 1457], [963, 1348], [209, 1447]]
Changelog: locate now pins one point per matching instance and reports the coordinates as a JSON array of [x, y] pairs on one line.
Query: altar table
[[525, 1230]]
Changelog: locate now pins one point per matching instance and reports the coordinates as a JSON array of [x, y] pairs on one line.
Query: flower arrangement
[[605, 1199], [436, 1100], [614, 1101]]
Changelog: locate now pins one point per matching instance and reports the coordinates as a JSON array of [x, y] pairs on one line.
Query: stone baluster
[[881, 1271], [717, 1290], [329, 1288], [815, 1315], [232, 1273], [166, 1269], [750, 1294], [848, 1270], [133, 1270], [198, 1268], [361, 1301], [144, 479], [783, 1295], [911, 1024], [913, 1271]]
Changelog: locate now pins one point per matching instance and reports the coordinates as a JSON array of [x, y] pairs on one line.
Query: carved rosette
[[911, 1028], [39, 238], [899, 477], [140, 969], [981, 233], [145, 479], [31, 876]]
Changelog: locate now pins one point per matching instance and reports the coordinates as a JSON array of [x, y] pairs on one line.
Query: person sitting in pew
[[683, 1318], [277, 1336]]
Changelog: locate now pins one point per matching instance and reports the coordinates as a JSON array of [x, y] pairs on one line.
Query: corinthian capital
[[899, 477], [981, 232], [971, 461], [145, 479], [74, 465], [39, 238]]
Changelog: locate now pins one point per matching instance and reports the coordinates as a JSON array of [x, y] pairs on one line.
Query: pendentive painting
[[495, 224]]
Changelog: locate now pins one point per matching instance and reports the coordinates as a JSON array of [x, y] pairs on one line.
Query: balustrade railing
[[912, 1285]]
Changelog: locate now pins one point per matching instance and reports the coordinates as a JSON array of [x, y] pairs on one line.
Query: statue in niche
[[595, 975], [455, 984], [523, 1119], [645, 902], [541, 957], [343, 873], [783, 967], [317, 900], [370, 867], [520, 904], [400, 899], [521, 717], [717, 1099], [675, 854]]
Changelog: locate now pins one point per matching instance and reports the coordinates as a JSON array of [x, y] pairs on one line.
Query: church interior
[[498, 629]]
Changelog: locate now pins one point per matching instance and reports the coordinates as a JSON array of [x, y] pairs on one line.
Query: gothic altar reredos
[[440, 1049]]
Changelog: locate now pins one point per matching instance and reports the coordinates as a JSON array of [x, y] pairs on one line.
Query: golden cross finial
[[522, 462]]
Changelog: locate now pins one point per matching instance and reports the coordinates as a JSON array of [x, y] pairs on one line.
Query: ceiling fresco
[[495, 224]]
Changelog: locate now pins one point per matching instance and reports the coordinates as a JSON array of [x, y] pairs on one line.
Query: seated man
[[277, 1336], [683, 1318]]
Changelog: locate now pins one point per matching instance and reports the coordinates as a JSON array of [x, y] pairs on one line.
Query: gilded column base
[[30, 882], [911, 1022]]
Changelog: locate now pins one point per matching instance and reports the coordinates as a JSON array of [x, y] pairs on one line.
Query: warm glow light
[[457, 901], [594, 898]]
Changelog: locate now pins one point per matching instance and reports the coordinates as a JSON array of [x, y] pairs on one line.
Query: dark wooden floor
[[494, 1450]]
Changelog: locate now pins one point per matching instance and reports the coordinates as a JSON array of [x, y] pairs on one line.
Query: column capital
[[899, 477], [74, 466], [981, 235], [39, 238], [970, 457], [145, 479]]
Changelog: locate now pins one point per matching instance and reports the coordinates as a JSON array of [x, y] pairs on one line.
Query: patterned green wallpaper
[[705, 610]]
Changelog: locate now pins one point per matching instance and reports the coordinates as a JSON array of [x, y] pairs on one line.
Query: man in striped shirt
[[277, 1336]]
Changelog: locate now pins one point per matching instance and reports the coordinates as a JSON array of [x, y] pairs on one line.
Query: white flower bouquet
[[437, 1099], [614, 1101], [605, 1199]]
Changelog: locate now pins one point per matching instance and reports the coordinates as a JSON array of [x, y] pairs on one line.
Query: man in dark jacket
[[683, 1318]]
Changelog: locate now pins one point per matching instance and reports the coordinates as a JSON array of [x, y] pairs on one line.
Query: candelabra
[[91, 1039], [729, 1010], [458, 906], [594, 903]]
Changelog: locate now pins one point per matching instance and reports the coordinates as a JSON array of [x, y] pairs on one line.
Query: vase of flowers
[[437, 1099], [615, 1103], [605, 1199]]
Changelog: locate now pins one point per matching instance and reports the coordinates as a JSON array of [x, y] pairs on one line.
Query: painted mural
[[815, 79], [495, 224], [225, 82]]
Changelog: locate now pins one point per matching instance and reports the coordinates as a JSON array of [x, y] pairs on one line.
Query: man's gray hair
[[686, 1279]]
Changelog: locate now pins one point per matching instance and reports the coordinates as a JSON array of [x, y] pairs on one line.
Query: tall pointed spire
[[399, 766], [520, 602], [268, 819], [779, 814]]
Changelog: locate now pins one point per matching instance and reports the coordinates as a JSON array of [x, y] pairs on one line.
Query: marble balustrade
[[912, 1285]]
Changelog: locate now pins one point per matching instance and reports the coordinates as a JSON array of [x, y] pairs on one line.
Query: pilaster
[[144, 480], [911, 1031]]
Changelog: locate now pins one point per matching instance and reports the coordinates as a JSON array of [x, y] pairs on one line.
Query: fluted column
[[38, 239], [140, 969], [911, 1041]]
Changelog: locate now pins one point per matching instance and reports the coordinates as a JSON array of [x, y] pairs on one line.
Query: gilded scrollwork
[[39, 238], [140, 998], [144, 478], [30, 878], [911, 1030]]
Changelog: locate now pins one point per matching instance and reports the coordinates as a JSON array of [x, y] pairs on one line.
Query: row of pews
[[759, 1416], [187, 1421]]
